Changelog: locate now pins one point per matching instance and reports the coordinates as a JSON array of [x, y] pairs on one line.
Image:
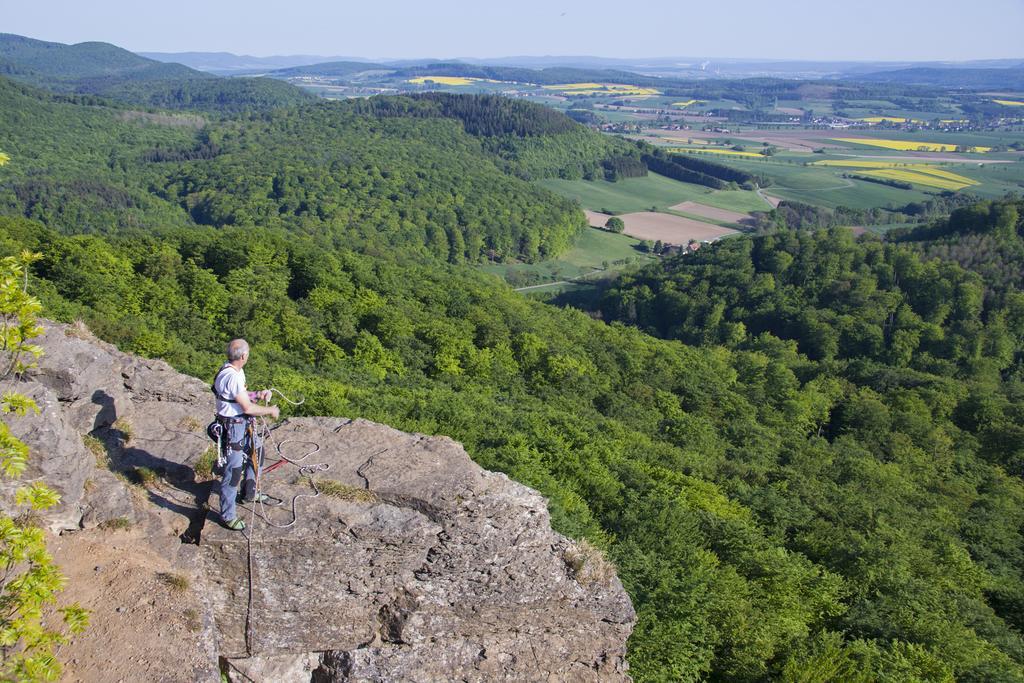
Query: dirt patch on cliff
[[143, 622]]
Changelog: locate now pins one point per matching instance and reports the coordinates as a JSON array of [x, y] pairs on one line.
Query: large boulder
[[388, 557]]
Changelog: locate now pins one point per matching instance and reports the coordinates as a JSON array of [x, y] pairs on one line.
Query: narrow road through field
[[560, 282], [546, 284], [849, 183], [760, 193]]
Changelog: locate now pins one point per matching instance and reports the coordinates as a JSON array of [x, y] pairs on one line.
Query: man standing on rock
[[236, 413]]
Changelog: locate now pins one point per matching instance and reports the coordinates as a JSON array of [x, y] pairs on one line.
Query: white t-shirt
[[230, 383]]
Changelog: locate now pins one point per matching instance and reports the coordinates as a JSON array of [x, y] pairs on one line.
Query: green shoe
[[235, 524]]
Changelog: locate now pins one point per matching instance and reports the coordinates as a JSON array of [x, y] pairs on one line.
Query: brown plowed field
[[712, 212], [647, 225]]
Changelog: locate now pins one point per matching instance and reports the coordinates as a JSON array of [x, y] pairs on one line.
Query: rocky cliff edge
[[412, 563]]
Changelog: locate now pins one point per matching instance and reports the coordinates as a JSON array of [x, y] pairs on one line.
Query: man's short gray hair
[[237, 348]]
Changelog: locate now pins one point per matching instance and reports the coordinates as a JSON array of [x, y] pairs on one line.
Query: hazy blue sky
[[788, 29]]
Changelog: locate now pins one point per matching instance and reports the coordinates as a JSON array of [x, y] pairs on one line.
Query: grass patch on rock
[[115, 524], [588, 564], [204, 465], [176, 582], [335, 489]]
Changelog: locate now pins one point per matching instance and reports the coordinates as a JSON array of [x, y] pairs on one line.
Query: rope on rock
[[304, 470]]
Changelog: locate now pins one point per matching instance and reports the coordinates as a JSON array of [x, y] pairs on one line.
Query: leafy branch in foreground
[[29, 580]]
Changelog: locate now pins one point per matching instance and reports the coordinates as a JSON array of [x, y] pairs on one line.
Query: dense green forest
[[810, 471], [981, 238], [919, 371]]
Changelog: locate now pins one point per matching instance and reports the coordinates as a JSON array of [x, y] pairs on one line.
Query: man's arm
[[250, 408]]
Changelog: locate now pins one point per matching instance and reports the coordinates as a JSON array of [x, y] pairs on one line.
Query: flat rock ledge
[[393, 558]]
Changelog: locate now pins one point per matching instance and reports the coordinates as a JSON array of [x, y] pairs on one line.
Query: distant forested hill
[[327, 69], [416, 181], [222, 95], [65, 66], [531, 140], [952, 77], [109, 71]]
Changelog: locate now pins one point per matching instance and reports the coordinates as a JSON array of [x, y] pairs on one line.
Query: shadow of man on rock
[[169, 484]]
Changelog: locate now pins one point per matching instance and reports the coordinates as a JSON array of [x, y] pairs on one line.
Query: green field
[[653, 190], [616, 116], [817, 106], [996, 179], [825, 186], [592, 249]]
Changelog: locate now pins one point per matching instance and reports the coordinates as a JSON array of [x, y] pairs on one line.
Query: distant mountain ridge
[[227, 64], [109, 71], [951, 76], [38, 60], [547, 76], [686, 66], [339, 68]]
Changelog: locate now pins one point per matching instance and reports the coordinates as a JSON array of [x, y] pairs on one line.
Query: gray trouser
[[239, 443]]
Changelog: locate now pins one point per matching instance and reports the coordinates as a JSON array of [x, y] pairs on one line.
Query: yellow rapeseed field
[[687, 103], [1009, 103], [602, 89], [731, 152], [943, 173], [451, 80], [443, 80], [888, 119], [915, 178], [919, 174], [909, 145], [574, 86]]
